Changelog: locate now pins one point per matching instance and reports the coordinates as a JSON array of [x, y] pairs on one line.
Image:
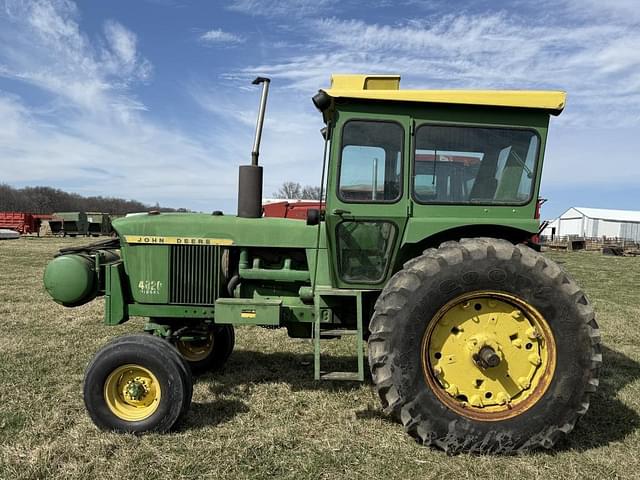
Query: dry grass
[[264, 416]]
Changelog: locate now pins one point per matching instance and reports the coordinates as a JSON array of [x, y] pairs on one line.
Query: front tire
[[436, 314], [137, 384]]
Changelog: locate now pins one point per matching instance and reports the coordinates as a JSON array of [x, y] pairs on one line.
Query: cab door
[[367, 196]]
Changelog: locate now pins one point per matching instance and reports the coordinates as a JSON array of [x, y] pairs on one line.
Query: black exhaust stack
[[250, 176]]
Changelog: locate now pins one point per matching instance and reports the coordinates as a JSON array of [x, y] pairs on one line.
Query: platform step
[[337, 332], [344, 376], [319, 334]]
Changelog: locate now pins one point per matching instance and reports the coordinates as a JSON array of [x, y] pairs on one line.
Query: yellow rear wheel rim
[[488, 355], [132, 392], [196, 350]]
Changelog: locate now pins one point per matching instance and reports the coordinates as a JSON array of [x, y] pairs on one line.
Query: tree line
[[47, 200]]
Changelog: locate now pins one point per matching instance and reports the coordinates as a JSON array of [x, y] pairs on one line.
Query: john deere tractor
[[424, 248]]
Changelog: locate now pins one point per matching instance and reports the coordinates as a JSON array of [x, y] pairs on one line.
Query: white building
[[596, 222]]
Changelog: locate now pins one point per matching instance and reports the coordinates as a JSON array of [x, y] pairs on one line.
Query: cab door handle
[[340, 211]]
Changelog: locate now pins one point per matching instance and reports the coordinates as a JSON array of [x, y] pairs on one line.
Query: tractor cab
[[408, 166]]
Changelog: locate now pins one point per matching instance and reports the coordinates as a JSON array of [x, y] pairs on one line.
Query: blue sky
[[152, 99]]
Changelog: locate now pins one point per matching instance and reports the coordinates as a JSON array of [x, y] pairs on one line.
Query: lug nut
[[452, 390], [502, 398], [524, 382]]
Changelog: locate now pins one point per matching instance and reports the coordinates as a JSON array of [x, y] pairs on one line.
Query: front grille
[[194, 274]]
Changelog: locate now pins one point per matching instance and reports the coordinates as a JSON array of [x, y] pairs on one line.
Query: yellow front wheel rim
[[132, 392], [488, 355], [196, 350]]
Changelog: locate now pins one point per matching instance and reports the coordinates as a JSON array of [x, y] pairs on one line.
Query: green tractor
[[424, 249]]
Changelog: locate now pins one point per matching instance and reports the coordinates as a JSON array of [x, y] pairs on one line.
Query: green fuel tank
[[72, 280]]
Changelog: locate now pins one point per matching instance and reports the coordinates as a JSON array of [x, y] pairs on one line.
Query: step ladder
[[319, 334]]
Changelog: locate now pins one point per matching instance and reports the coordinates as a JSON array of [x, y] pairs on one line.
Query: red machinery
[[21, 222], [296, 209]]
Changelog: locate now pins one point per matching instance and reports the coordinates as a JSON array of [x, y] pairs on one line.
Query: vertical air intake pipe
[[250, 176]]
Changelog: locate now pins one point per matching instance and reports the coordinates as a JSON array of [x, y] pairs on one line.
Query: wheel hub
[[132, 392], [488, 353], [136, 389], [487, 357]]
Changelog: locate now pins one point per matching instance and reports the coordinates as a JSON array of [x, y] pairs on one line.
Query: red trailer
[[21, 222], [296, 209]]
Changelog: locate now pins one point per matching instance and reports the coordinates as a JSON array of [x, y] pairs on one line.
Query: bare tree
[[311, 193], [289, 190], [294, 191]]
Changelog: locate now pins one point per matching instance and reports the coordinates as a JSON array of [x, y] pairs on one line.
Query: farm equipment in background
[[98, 224], [6, 234], [476, 342], [72, 224], [21, 222], [297, 209]]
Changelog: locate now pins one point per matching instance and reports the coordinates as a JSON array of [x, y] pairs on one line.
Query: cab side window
[[455, 164], [371, 162]]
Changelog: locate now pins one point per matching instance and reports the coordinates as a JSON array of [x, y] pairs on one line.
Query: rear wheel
[[483, 346], [137, 384], [210, 353]]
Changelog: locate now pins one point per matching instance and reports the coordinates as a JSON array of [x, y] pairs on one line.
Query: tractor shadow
[[230, 388], [295, 369], [210, 414], [607, 420]]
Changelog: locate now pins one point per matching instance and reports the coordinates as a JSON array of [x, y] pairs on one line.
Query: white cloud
[[595, 58], [123, 52], [91, 154], [91, 134], [220, 36], [291, 146], [274, 8], [597, 63], [624, 11], [310, 8], [41, 44]]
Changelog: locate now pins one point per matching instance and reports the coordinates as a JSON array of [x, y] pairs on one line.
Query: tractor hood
[[204, 229]]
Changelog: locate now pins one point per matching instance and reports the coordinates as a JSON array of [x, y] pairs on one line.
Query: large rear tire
[[137, 384], [484, 346]]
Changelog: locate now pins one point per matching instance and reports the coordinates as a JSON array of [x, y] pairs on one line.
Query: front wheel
[[483, 346], [137, 384]]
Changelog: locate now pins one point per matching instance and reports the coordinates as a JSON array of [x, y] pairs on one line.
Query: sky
[[152, 99]]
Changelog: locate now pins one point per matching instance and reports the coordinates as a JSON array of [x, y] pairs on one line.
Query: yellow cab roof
[[387, 87]]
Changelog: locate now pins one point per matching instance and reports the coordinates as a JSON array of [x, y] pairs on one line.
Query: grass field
[[264, 416]]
